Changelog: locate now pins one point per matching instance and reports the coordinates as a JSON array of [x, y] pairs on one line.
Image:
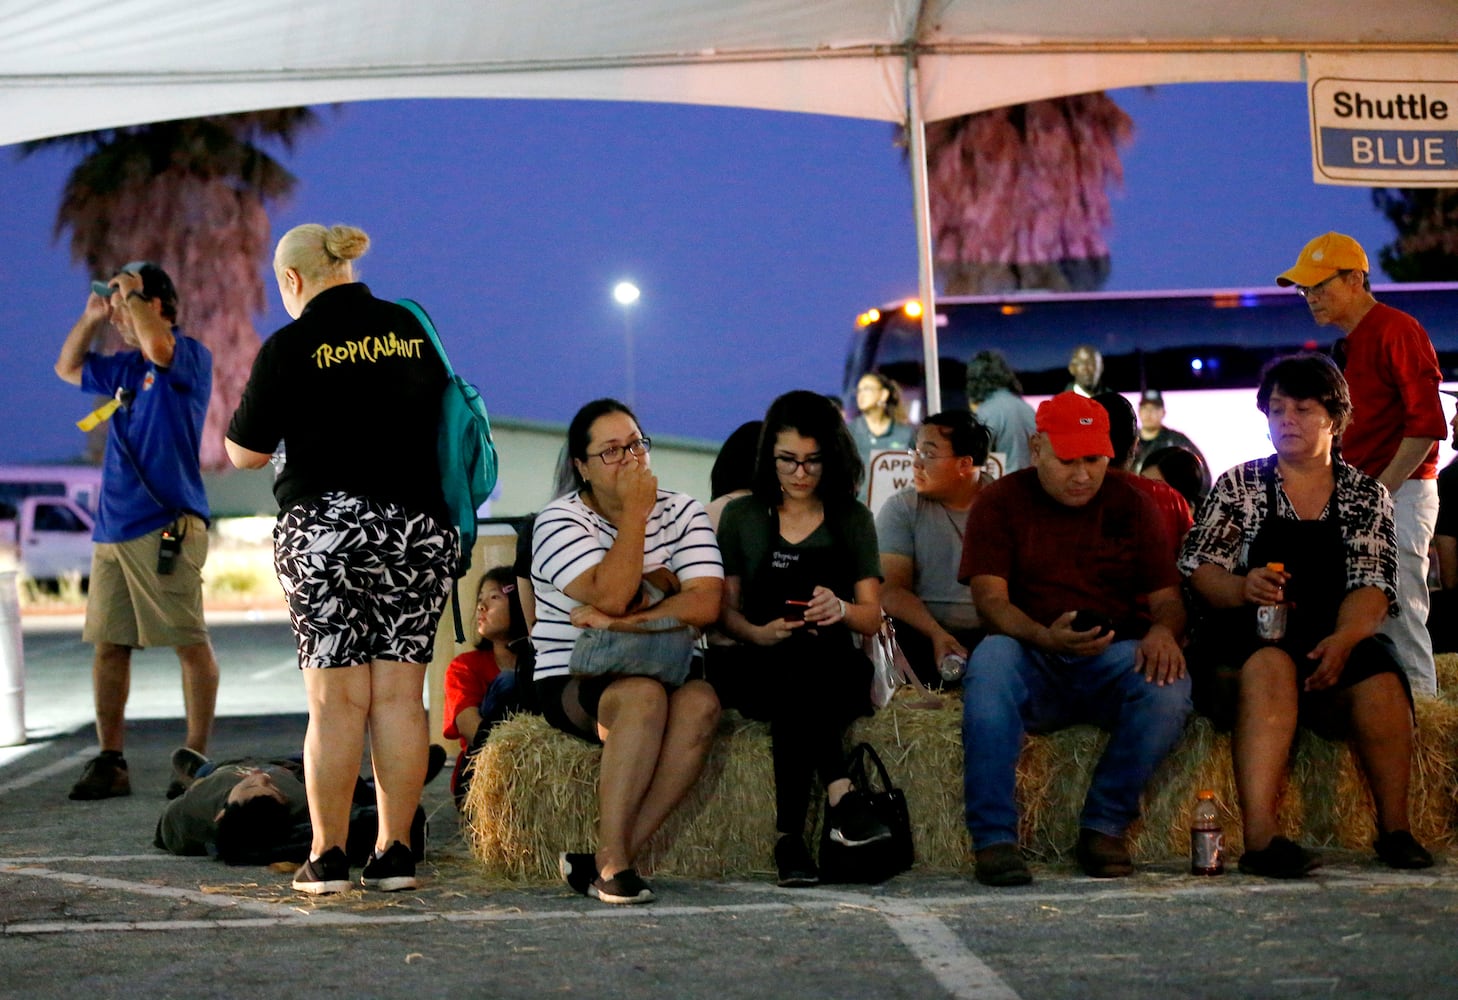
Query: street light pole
[[626, 293]]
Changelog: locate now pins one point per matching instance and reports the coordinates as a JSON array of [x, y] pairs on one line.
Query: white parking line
[[961, 973], [41, 774], [146, 889]]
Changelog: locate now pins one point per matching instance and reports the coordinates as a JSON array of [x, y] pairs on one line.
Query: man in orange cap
[[1397, 421], [1057, 556]]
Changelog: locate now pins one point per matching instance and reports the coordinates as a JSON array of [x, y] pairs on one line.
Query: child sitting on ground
[[485, 685]]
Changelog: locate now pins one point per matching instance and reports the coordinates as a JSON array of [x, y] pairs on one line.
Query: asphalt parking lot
[[89, 908]]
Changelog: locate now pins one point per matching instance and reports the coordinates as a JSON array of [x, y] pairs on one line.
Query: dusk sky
[[756, 238]]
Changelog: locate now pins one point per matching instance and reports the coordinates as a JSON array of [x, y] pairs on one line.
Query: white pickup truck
[[46, 537]]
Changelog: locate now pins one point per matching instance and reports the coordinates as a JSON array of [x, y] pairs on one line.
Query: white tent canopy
[[77, 65]]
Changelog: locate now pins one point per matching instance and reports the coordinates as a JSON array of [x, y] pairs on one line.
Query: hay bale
[[535, 793]]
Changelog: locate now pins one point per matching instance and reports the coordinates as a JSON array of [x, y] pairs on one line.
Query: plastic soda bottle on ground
[[1271, 618], [1207, 840]]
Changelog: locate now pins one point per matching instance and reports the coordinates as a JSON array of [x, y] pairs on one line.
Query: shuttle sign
[[1383, 123]]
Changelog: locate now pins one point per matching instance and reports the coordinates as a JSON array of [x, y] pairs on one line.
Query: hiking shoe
[[852, 822], [390, 872], [1002, 865], [1400, 850], [105, 777], [186, 762], [624, 887], [796, 868], [578, 870], [325, 874], [1101, 855], [1280, 858]]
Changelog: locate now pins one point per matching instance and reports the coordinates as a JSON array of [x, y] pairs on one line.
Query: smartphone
[[795, 611], [1085, 620]]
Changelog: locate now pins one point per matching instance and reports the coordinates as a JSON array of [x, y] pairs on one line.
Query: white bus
[[1203, 350]]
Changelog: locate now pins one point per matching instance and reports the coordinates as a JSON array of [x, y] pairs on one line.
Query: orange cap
[[1324, 257]]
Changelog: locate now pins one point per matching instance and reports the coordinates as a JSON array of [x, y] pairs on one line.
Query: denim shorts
[[365, 580]]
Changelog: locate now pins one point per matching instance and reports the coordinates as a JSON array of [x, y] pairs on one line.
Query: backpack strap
[[420, 317], [419, 313]]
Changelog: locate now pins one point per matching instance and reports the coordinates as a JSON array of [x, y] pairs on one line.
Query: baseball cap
[[1077, 427], [1323, 257], [1152, 396]]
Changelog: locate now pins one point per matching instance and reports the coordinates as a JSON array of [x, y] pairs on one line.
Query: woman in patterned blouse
[[1330, 530]]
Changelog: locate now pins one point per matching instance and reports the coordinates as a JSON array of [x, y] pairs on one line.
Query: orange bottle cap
[[1206, 794], [1276, 567]]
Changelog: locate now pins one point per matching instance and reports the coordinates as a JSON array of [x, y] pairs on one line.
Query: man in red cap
[[1397, 421], [1057, 555]]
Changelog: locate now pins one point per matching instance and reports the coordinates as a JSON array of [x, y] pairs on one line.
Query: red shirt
[[1098, 557], [1393, 373], [466, 681], [1173, 507]]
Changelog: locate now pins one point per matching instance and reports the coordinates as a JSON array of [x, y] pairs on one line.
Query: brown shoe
[[1002, 865], [105, 777], [1103, 856]]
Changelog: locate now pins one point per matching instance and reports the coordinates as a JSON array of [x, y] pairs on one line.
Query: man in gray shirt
[[920, 535]]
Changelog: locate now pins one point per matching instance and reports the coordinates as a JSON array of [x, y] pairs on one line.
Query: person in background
[[1397, 420], [1443, 615], [1059, 555], [1086, 365], [1173, 507], [1330, 527], [801, 575], [1155, 436], [996, 396], [1181, 470], [364, 547], [591, 551], [151, 528], [485, 685], [920, 532], [733, 473], [881, 424]]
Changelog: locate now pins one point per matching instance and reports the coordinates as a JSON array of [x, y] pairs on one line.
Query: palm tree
[[1020, 195], [189, 195], [1426, 248]]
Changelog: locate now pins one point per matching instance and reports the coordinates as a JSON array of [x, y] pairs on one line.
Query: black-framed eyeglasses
[[618, 452], [1306, 291], [787, 464]]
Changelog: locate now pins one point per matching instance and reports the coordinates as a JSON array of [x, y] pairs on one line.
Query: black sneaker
[[578, 870], [1400, 850], [853, 824], [105, 777], [390, 872], [324, 875], [186, 762], [1281, 858], [624, 887], [796, 868], [435, 760]]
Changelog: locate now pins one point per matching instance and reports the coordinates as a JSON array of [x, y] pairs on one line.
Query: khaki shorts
[[130, 605]]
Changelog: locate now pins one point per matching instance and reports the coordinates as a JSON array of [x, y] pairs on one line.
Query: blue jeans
[[1010, 689]]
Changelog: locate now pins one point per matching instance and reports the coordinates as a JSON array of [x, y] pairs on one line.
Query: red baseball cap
[[1076, 426]]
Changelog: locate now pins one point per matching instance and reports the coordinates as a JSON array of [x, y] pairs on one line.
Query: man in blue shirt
[[152, 522]]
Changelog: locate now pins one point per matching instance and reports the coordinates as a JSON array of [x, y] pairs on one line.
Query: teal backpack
[[467, 457]]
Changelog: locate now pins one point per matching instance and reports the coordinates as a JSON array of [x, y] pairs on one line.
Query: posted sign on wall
[[1384, 121]]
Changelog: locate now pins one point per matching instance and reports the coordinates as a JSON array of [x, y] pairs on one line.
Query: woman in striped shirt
[[591, 550]]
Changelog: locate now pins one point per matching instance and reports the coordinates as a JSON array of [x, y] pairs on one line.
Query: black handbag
[[877, 861]]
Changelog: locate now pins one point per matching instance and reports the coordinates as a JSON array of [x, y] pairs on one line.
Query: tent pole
[[926, 287]]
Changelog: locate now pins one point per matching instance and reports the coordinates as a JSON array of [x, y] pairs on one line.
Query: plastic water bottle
[[1271, 618], [1207, 840], [952, 667]]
